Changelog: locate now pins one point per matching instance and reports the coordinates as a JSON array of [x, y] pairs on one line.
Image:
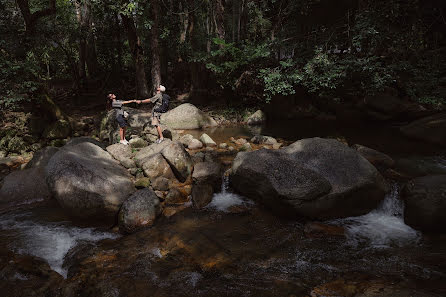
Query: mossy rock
[[58, 130], [16, 145], [143, 182]]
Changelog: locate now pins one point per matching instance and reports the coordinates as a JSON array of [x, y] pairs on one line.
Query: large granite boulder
[[24, 187], [425, 199], [431, 129], [378, 159], [179, 160], [88, 182], [109, 126], [42, 157], [315, 178], [155, 166], [147, 152], [208, 173], [257, 118], [122, 153], [187, 116], [82, 139], [261, 139], [139, 211]]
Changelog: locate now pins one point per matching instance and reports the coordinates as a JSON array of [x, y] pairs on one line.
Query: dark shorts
[[121, 121]]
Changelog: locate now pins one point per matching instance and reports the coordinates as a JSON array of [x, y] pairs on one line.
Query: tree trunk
[[154, 44], [138, 57], [87, 48], [32, 18], [220, 19]]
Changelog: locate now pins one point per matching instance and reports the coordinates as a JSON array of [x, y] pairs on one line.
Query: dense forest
[[235, 50]]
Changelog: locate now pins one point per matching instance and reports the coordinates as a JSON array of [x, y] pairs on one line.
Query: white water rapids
[[47, 240], [383, 226]]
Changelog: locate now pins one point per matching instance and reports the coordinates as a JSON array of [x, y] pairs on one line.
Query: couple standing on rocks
[[161, 102]]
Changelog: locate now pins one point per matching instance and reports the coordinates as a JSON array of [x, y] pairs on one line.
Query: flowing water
[[267, 256]]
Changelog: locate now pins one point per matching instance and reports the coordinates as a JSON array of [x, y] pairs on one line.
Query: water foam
[[382, 227], [224, 200], [49, 241]]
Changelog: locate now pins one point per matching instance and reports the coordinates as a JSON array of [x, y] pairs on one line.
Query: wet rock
[[231, 149], [420, 166], [24, 186], [246, 147], [425, 199], [431, 129], [175, 196], [160, 194], [170, 211], [260, 139], [143, 182], [316, 178], [241, 141], [137, 142], [179, 160], [257, 118], [207, 141], [378, 159], [187, 116], [139, 211], [198, 157], [208, 173], [58, 130], [42, 157], [317, 230], [195, 144], [160, 184], [202, 195], [122, 153], [88, 182]]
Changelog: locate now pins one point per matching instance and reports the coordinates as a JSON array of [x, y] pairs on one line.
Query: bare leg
[[122, 133], [160, 132]]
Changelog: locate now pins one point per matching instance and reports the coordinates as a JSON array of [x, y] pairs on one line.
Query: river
[[234, 247]]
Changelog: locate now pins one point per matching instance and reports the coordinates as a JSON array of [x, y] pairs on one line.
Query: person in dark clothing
[[120, 116]]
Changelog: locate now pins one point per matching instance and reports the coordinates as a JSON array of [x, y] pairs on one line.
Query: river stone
[[425, 203], [60, 129], [160, 183], [241, 141], [179, 160], [122, 153], [155, 166], [139, 211], [186, 139], [246, 147], [208, 173], [42, 157], [195, 144], [202, 195], [260, 139], [175, 196], [431, 129], [207, 140], [142, 182], [187, 116], [147, 152], [24, 186], [314, 178], [257, 118], [378, 159], [88, 182], [223, 146]]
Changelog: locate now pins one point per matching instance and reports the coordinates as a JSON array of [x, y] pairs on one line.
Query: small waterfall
[[225, 199], [382, 227], [48, 240]]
